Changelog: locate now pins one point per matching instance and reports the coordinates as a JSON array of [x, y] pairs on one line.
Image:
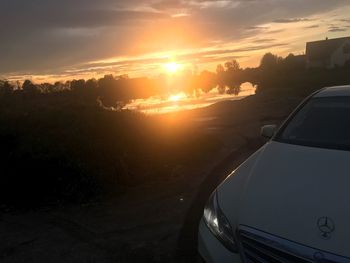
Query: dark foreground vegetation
[[59, 147], [70, 142]]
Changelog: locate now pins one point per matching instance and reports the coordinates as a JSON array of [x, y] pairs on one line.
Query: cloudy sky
[[62, 39]]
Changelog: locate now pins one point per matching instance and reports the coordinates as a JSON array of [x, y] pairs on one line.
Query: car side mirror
[[268, 131]]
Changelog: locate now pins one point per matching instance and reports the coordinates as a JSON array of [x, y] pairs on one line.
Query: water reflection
[[178, 102]]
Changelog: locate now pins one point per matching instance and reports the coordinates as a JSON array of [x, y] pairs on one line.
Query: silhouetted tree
[[233, 78], [270, 71], [60, 86], [5, 88], [91, 84], [292, 63], [29, 88], [232, 65], [77, 85], [220, 72], [270, 62]]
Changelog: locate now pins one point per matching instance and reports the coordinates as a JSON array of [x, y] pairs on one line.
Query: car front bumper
[[210, 248]]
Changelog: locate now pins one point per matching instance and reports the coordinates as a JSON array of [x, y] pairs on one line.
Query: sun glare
[[177, 97], [172, 67]]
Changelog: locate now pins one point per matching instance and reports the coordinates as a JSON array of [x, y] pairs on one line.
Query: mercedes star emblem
[[326, 226]]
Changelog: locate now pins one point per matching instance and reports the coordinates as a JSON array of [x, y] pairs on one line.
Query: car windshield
[[321, 122]]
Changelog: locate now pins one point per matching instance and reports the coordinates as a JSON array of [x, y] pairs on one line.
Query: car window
[[321, 122]]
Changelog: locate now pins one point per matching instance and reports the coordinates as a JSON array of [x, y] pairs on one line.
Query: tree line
[[273, 73]]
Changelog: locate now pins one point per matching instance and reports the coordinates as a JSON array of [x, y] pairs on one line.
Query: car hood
[[287, 189]]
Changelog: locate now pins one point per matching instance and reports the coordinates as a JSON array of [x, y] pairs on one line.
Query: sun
[[176, 97], [172, 67]]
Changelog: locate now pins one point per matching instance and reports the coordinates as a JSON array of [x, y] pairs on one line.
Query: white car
[[289, 201]]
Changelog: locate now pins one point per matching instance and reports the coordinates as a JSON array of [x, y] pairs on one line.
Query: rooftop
[[322, 49]]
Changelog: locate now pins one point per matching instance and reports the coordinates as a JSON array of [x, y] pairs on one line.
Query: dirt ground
[[156, 222]]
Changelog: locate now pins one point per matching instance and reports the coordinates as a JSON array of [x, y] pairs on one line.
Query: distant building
[[328, 53]]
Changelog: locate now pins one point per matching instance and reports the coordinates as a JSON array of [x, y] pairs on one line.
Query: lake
[[179, 101]]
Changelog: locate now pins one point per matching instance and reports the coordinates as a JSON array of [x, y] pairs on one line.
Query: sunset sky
[[64, 39]]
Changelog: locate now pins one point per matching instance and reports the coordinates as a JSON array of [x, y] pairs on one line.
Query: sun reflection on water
[[180, 101]]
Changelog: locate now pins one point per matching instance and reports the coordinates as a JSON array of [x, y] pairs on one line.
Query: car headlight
[[218, 223]]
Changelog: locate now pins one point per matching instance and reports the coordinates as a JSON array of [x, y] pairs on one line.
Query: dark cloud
[[257, 28], [190, 5], [290, 20], [218, 59], [169, 4], [312, 26], [264, 40], [275, 31], [336, 29], [71, 17]]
